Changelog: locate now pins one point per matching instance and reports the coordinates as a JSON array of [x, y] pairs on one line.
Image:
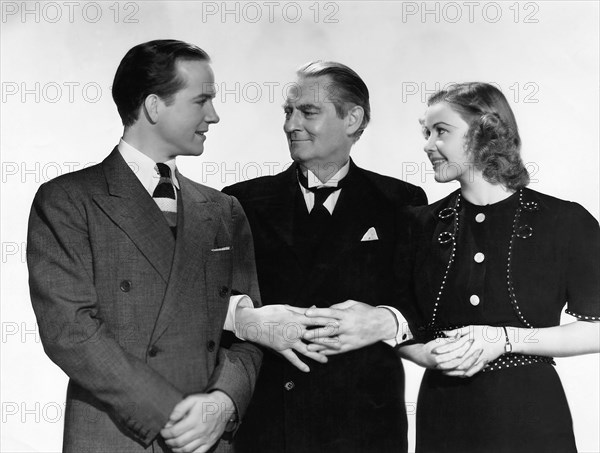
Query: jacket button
[[289, 385], [223, 291], [153, 351], [125, 286], [210, 346]]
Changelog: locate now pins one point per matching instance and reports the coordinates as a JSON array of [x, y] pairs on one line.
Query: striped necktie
[[164, 195]]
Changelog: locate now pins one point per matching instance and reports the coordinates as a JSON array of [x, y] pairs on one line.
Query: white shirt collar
[[331, 201], [313, 181], [144, 167]]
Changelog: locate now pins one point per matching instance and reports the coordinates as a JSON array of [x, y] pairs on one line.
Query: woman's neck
[[480, 192]]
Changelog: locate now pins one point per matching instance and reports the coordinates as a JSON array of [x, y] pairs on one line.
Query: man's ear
[[354, 119], [151, 106]]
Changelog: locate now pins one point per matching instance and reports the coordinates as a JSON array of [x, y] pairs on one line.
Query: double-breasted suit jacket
[[133, 316], [355, 402]]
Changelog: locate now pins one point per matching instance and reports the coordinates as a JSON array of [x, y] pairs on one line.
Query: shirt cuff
[[240, 300], [403, 333]]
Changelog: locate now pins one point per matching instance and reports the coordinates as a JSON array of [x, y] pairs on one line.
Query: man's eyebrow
[[301, 107], [308, 107], [203, 96]]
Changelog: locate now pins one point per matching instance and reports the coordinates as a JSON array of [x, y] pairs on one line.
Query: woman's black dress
[[517, 404]]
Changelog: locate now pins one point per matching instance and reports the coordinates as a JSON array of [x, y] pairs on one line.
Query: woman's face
[[445, 132]]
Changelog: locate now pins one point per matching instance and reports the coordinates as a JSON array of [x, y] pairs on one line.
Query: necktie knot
[[164, 188], [163, 170], [321, 193]]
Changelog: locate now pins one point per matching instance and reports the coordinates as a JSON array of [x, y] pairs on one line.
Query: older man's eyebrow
[[302, 107]]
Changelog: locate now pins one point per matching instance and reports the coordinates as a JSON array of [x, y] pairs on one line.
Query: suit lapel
[[198, 226], [278, 210], [130, 206], [355, 211]]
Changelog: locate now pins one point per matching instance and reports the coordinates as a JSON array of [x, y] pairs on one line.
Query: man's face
[[183, 123], [317, 137]]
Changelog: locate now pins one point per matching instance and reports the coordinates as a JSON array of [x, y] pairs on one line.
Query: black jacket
[[354, 403]]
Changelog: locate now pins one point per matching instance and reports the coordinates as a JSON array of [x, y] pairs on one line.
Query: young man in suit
[[326, 234], [135, 271]]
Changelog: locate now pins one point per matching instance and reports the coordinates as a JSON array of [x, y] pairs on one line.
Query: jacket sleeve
[[238, 364], [583, 265], [72, 329], [418, 197]]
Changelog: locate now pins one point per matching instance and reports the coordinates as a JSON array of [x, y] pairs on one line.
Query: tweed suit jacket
[[355, 402], [133, 316]]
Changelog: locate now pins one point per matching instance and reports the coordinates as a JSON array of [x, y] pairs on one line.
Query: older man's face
[[316, 135]]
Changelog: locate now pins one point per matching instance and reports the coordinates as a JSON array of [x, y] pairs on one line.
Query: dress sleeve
[[583, 271]]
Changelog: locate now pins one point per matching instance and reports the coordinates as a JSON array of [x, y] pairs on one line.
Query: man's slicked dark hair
[[150, 68], [346, 90]]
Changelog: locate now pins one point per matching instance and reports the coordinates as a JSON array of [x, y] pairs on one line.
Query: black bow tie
[[321, 193]]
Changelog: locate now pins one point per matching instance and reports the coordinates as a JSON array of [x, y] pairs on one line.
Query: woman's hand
[[474, 348], [425, 355]]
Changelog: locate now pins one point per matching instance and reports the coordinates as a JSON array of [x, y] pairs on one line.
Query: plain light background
[[59, 58]]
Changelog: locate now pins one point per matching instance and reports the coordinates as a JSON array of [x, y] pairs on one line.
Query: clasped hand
[[197, 422], [463, 352], [281, 328], [343, 327], [354, 325]]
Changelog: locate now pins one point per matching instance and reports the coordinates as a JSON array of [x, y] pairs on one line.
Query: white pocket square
[[370, 235], [222, 249]]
